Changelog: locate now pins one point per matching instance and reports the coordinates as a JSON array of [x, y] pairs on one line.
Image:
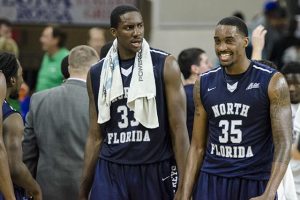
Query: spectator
[[53, 41], [56, 130]]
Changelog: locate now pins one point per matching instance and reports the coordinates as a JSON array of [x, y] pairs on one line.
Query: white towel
[[141, 92]]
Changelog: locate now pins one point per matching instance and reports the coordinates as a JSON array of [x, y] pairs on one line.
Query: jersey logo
[[233, 87], [210, 89], [163, 179], [126, 72], [252, 86]]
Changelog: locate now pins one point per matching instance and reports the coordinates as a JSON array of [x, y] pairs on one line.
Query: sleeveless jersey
[[190, 108], [7, 110], [125, 140], [239, 127]]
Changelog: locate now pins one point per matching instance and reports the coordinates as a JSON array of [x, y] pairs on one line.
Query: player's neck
[[8, 91], [191, 80], [239, 67]]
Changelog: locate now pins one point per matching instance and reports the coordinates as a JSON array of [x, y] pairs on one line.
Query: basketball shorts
[[114, 181], [211, 187]]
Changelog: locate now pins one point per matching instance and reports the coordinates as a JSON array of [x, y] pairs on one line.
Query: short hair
[[8, 65], [5, 22], [235, 21], [291, 68], [187, 58], [104, 50], [57, 32], [239, 14], [82, 57], [9, 45], [118, 11], [64, 67]]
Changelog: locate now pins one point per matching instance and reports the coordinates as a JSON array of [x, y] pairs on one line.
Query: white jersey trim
[[160, 52], [262, 69], [211, 71]]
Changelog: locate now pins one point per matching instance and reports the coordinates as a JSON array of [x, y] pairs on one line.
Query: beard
[[226, 65]]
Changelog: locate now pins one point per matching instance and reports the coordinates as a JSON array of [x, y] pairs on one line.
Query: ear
[[12, 81], [194, 69], [113, 31], [246, 40]]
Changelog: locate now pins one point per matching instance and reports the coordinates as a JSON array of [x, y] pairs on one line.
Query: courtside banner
[[74, 12]]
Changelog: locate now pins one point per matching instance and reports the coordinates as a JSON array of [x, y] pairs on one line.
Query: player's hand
[[258, 37], [37, 194]]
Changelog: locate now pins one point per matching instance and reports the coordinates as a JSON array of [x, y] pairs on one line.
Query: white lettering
[[231, 151], [216, 111], [129, 136], [222, 109], [244, 111], [230, 109]]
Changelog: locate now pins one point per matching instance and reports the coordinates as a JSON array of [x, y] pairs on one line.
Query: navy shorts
[[211, 187], [19, 193], [129, 182]]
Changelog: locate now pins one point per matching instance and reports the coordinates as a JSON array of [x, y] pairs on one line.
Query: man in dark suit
[[56, 130]]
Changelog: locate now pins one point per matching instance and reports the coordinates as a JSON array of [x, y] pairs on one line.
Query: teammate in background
[[291, 71], [242, 131], [13, 128], [6, 187], [192, 63], [137, 118]]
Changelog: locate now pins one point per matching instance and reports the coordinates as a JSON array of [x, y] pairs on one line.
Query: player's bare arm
[[176, 104], [6, 186], [281, 120], [92, 148], [198, 145], [13, 128]]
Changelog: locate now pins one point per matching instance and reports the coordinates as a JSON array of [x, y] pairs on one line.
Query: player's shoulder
[[211, 72], [98, 64], [263, 68], [155, 51]]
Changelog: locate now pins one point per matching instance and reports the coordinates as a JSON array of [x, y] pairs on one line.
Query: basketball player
[[13, 128], [127, 157], [192, 63], [6, 187], [242, 111]]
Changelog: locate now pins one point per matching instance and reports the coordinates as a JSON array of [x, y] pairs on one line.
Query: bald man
[[56, 130]]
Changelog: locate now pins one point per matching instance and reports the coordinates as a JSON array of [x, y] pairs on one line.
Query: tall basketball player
[[242, 128], [13, 130], [129, 155]]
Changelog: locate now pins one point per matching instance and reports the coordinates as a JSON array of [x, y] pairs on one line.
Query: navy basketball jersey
[[126, 141], [7, 110], [239, 127], [190, 108]]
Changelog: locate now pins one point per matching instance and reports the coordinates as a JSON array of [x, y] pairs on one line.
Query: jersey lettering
[[230, 109]]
